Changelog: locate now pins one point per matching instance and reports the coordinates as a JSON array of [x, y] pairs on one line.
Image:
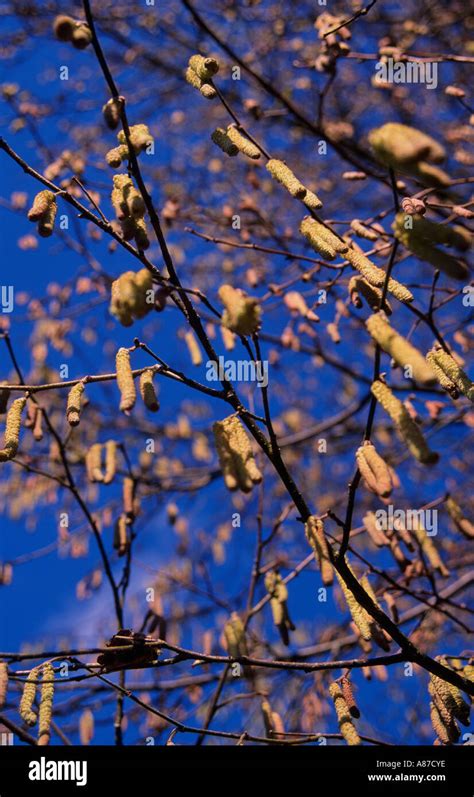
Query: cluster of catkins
[[235, 640], [94, 462], [278, 592], [231, 141], [409, 151], [420, 236], [448, 706], [449, 373], [346, 710], [140, 138], [377, 475], [242, 312], [45, 712], [235, 453], [130, 210], [67, 29], [126, 384], [43, 211], [199, 74], [132, 296]]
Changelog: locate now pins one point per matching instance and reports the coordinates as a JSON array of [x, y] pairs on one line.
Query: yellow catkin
[[242, 312], [376, 276], [74, 401], [193, 347], [204, 68], [278, 592], [285, 176], [125, 381], [314, 530], [206, 88], [38, 425], [359, 286], [94, 463], [28, 697], [271, 720], [409, 151], [63, 27], [408, 430], [128, 493], [132, 296], [400, 349], [220, 137], [429, 549], [451, 696], [461, 522], [3, 683], [110, 461], [362, 231], [358, 613], [242, 143], [234, 635], [86, 726], [346, 689], [148, 392], [140, 137], [46, 705], [12, 430], [344, 718], [439, 725], [43, 211], [453, 372], [374, 470], [321, 238], [420, 236], [121, 541], [235, 455]]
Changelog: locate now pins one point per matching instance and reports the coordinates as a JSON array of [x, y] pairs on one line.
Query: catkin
[[43, 211], [321, 238], [457, 516], [121, 542], [125, 381], [205, 68], [242, 312], [358, 613], [271, 720], [132, 296], [429, 549], [314, 530], [344, 718], [148, 392], [371, 294], [12, 430], [346, 688], [110, 461], [400, 349], [242, 143], [278, 593], [128, 492], [376, 276], [111, 112], [86, 726], [452, 371], [420, 235], [74, 401], [235, 455], [3, 683], [94, 463], [220, 137], [193, 347], [406, 426], [285, 176], [362, 231], [234, 635], [46, 705], [374, 470], [28, 697]]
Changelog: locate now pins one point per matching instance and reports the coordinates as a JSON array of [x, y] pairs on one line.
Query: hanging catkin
[[148, 392], [43, 211], [193, 347], [400, 349], [28, 698], [429, 549], [46, 705], [242, 143], [125, 381], [344, 718], [121, 541], [321, 238], [3, 683], [38, 425], [314, 530], [128, 492], [235, 455], [278, 593], [200, 72], [67, 29], [285, 176], [461, 522], [12, 430], [272, 720], [407, 428], [374, 470], [453, 373], [86, 726], [242, 312], [110, 461], [94, 463], [373, 296], [358, 613], [132, 296], [220, 137], [347, 693], [234, 635], [376, 276], [74, 402]]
